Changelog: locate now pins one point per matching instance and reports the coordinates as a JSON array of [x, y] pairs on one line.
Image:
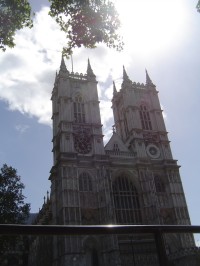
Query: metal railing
[[157, 230]]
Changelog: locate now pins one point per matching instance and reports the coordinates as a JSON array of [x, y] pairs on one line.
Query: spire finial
[[62, 65], [90, 72], [126, 80], [148, 80], [47, 195], [125, 76], [114, 88]]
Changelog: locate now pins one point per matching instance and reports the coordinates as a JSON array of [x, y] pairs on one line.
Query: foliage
[[87, 22], [13, 210], [198, 6], [14, 15]]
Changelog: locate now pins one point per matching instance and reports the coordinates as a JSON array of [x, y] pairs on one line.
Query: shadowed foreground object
[[157, 231]]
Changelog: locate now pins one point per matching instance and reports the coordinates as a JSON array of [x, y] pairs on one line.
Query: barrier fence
[[158, 231]]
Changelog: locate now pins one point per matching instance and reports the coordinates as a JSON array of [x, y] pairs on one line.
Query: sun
[[152, 26]]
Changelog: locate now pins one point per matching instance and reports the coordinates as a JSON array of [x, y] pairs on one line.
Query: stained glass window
[[79, 109], [126, 200], [145, 118]]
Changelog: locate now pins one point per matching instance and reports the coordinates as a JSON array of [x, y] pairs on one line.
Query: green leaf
[[87, 23], [14, 15]]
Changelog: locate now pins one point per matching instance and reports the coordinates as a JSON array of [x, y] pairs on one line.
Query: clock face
[[82, 142], [153, 151]]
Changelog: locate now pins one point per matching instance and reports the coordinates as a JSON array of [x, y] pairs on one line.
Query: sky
[[161, 36]]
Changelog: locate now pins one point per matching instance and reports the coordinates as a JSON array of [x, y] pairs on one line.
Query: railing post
[[161, 249]]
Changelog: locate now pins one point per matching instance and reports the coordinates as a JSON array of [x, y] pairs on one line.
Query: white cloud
[[28, 71], [106, 112], [109, 92], [150, 27], [22, 128]]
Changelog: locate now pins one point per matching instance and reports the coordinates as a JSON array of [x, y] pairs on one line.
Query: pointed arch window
[[91, 249], [145, 118], [159, 185], [125, 124], [116, 147], [94, 257], [79, 109], [85, 182], [126, 200]]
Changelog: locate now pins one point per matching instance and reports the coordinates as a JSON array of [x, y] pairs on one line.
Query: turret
[[63, 69], [126, 80], [90, 73], [114, 89], [148, 80]]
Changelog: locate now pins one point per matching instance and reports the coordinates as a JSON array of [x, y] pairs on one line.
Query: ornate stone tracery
[[82, 139]]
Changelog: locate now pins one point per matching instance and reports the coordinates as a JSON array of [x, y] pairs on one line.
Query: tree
[[14, 15], [198, 6], [85, 22], [13, 210]]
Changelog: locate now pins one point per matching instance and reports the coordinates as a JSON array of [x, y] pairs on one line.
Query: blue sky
[[163, 37]]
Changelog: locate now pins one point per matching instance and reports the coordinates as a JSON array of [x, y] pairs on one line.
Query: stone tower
[[133, 179], [78, 175]]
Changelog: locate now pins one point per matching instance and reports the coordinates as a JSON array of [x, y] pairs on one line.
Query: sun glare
[[150, 26]]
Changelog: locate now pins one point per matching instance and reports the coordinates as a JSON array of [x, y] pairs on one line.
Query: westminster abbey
[[133, 179]]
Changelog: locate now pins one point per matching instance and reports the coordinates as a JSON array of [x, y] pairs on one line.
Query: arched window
[[159, 185], [126, 200], [91, 250], [125, 124], [94, 257], [85, 182], [115, 147], [79, 109], [145, 118]]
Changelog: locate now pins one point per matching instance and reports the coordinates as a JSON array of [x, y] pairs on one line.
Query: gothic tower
[[152, 177], [132, 180], [78, 175], [140, 125]]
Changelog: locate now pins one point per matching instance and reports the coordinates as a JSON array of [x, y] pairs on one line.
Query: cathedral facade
[[133, 179]]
